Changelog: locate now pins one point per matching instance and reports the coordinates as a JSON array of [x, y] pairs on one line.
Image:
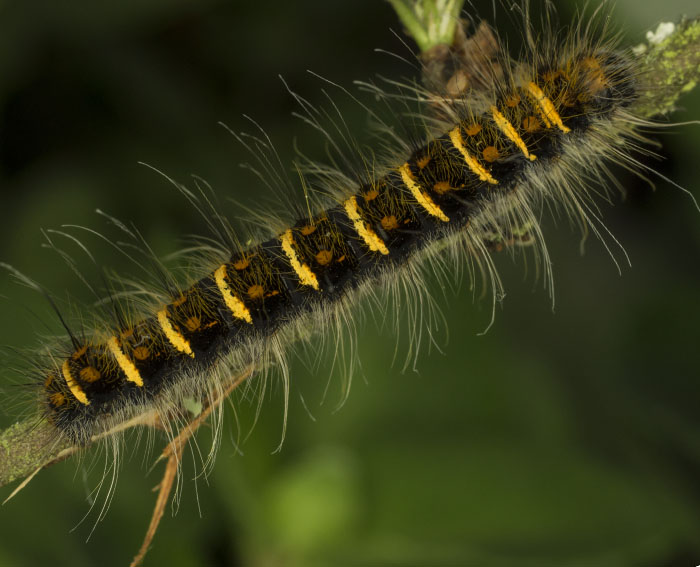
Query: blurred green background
[[567, 437]]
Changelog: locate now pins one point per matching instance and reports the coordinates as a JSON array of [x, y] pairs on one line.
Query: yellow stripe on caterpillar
[[507, 128], [304, 273], [548, 112], [175, 337], [128, 367], [475, 166], [373, 242], [423, 200], [73, 386], [237, 307]]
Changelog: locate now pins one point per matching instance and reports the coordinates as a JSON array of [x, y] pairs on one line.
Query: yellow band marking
[[423, 200], [175, 337], [128, 367], [373, 242], [549, 113], [507, 128], [73, 386], [475, 166], [304, 273], [237, 307]]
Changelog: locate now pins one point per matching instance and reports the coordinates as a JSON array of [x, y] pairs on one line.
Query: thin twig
[[173, 454]]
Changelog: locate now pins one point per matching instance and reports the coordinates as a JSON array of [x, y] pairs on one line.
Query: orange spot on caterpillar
[[490, 153], [256, 291], [57, 399], [596, 79], [193, 323], [423, 162], [473, 129], [126, 333], [583, 98], [442, 187], [141, 353], [512, 100], [80, 352], [241, 264], [568, 100], [590, 62], [389, 222], [531, 124], [308, 229], [370, 195], [550, 76], [179, 301], [324, 257], [89, 374]]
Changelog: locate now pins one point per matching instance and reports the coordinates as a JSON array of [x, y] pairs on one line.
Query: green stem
[[429, 22]]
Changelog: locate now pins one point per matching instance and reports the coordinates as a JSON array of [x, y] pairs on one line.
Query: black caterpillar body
[[496, 153]]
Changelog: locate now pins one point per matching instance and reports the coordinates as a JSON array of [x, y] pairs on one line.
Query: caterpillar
[[500, 134]]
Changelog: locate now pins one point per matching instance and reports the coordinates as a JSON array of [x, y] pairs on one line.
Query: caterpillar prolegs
[[426, 199]]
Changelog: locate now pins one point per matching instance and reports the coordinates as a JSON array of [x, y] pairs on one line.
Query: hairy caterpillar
[[466, 364]]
